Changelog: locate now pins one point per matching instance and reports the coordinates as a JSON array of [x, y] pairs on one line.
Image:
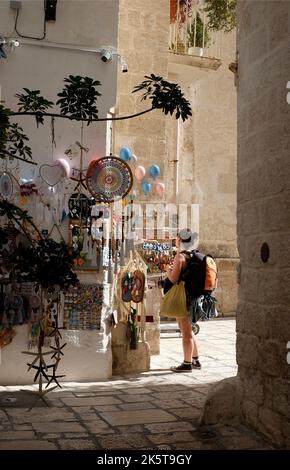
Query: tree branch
[[23, 113], [8, 154]]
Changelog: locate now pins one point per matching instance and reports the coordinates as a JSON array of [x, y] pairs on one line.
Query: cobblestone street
[[153, 410]]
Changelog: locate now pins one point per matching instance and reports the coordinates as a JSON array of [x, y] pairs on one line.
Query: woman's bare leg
[[189, 342]]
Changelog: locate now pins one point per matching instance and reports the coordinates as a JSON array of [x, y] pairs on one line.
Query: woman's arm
[[173, 273]]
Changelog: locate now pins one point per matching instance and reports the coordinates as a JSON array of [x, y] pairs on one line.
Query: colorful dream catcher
[[109, 179]]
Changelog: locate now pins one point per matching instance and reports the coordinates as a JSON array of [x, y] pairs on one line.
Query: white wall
[[85, 359], [80, 23]]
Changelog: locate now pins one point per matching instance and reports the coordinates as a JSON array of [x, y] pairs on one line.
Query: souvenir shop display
[[19, 305], [56, 221], [86, 230], [83, 306], [30, 291], [157, 256], [129, 297]]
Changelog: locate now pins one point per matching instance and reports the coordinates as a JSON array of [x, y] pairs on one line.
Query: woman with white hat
[[185, 242]]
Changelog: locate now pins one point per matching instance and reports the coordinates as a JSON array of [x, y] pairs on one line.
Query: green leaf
[[79, 97], [31, 101], [221, 14], [4, 126], [16, 142], [164, 95]]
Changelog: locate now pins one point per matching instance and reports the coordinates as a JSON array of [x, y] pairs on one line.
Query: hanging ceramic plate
[[109, 179], [6, 186]]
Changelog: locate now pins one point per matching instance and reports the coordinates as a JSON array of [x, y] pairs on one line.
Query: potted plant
[[198, 37], [221, 15]]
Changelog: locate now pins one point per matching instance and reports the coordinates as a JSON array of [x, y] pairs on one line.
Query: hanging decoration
[[65, 165], [157, 262], [146, 187], [79, 206], [140, 172], [151, 184], [159, 188], [133, 284], [154, 171], [27, 189], [52, 174], [109, 179], [134, 159], [125, 154], [6, 186]]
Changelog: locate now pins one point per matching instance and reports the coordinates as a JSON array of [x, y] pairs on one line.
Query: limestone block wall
[[206, 148], [263, 327], [142, 42], [143, 34], [206, 143]]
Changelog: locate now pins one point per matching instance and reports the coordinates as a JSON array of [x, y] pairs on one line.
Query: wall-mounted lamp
[[50, 10]]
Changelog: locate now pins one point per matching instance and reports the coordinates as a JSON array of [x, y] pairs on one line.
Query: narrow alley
[[157, 409]]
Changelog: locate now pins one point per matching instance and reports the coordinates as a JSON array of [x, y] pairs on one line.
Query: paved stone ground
[[154, 410]]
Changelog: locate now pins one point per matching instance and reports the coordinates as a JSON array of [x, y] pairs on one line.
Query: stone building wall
[[207, 141], [143, 34], [207, 154], [143, 43], [260, 395], [263, 325]]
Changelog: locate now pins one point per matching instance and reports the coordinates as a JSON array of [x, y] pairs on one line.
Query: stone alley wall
[[263, 325]]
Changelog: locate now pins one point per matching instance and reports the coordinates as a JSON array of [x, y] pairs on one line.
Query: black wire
[[30, 37]]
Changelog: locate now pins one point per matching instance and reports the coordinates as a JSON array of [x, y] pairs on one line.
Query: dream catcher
[[109, 179], [9, 186], [6, 186]]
